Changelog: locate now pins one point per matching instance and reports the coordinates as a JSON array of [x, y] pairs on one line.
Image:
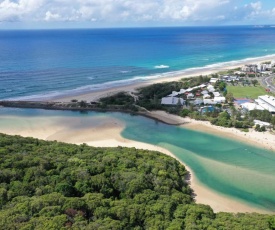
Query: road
[[268, 82]]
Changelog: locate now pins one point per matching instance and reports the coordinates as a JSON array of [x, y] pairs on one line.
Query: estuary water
[[233, 169]]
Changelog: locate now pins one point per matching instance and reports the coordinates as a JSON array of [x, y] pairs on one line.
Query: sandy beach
[[95, 95], [107, 134], [260, 139]]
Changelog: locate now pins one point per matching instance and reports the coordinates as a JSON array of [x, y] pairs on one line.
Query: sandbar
[[107, 133]]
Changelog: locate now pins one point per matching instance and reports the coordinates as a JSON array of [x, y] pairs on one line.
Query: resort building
[[209, 102], [250, 68], [267, 102], [173, 94], [182, 91], [172, 101], [262, 123], [219, 100], [213, 80], [210, 88], [248, 106], [204, 92], [216, 94], [190, 95], [197, 101], [205, 96]]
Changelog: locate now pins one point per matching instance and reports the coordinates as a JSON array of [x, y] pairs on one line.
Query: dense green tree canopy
[[51, 185]]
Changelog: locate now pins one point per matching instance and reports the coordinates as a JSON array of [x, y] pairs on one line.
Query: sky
[[18, 14]]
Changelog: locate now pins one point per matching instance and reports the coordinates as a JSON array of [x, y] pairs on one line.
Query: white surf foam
[[137, 79], [162, 67]]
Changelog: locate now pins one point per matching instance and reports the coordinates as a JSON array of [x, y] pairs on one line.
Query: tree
[[254, 82], [273, 122], [185, 112], [83, 104], [229, 97]]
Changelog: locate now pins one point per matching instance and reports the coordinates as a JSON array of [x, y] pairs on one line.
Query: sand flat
[[107, 133]]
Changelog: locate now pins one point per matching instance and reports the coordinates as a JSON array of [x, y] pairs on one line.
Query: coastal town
[[213, 96], [241, 98]]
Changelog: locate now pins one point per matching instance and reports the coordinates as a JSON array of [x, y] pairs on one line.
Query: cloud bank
[[132, 11]]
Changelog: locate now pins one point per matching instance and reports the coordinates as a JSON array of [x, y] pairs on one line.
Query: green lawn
[[246, 91]]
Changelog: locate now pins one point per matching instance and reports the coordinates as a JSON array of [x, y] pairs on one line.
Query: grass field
[[246, 91]]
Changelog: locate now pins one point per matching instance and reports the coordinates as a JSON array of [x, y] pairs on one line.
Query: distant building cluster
[[196, 95], [258, 68]]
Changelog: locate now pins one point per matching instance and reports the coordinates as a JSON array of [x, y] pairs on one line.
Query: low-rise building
[[205, 96], [210, 88], [248, 106], [261, 123], [219, 100], [190, 95], [213, 80], [209, 102], [267, 102], [197, 101], [216, 94], [172, 101]]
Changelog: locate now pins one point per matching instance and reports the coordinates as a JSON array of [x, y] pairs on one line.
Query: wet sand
[[106, 133]]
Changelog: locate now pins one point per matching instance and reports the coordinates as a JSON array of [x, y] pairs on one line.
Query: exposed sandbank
[[107, 134], [260, 139]]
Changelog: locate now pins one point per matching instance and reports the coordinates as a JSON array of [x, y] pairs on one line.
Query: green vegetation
[[246, 91], [150, 96], [262, 115], [51, 185], [120, 100]]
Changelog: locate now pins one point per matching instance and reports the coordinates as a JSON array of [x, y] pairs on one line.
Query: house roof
[[216, 94], [172, 101], [251, 106]]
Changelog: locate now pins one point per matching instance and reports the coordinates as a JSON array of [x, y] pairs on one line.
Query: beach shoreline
[[108, 134], [264, 140], [95, 95]]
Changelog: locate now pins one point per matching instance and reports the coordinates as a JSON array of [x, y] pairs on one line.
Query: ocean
[[44, 64]]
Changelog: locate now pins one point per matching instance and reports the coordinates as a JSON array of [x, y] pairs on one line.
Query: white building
[[262, 123], [216, 94], [250, 68], [197, 101], [204, 92], [219, 100], [172, 101], [210, 88], [205, 96], [267, 102], [209, 102], [190, 95], [182, 91], [173, 94], [213, 80], [248, 106]]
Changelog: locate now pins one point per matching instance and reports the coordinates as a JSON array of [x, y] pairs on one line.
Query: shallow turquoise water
[[234, 169]]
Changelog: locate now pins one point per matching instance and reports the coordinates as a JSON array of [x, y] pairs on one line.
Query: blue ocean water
[[47, 63]]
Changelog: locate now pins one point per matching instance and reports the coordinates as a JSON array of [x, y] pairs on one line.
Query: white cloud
[[51, 16], [130, 11], [12, 11]]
